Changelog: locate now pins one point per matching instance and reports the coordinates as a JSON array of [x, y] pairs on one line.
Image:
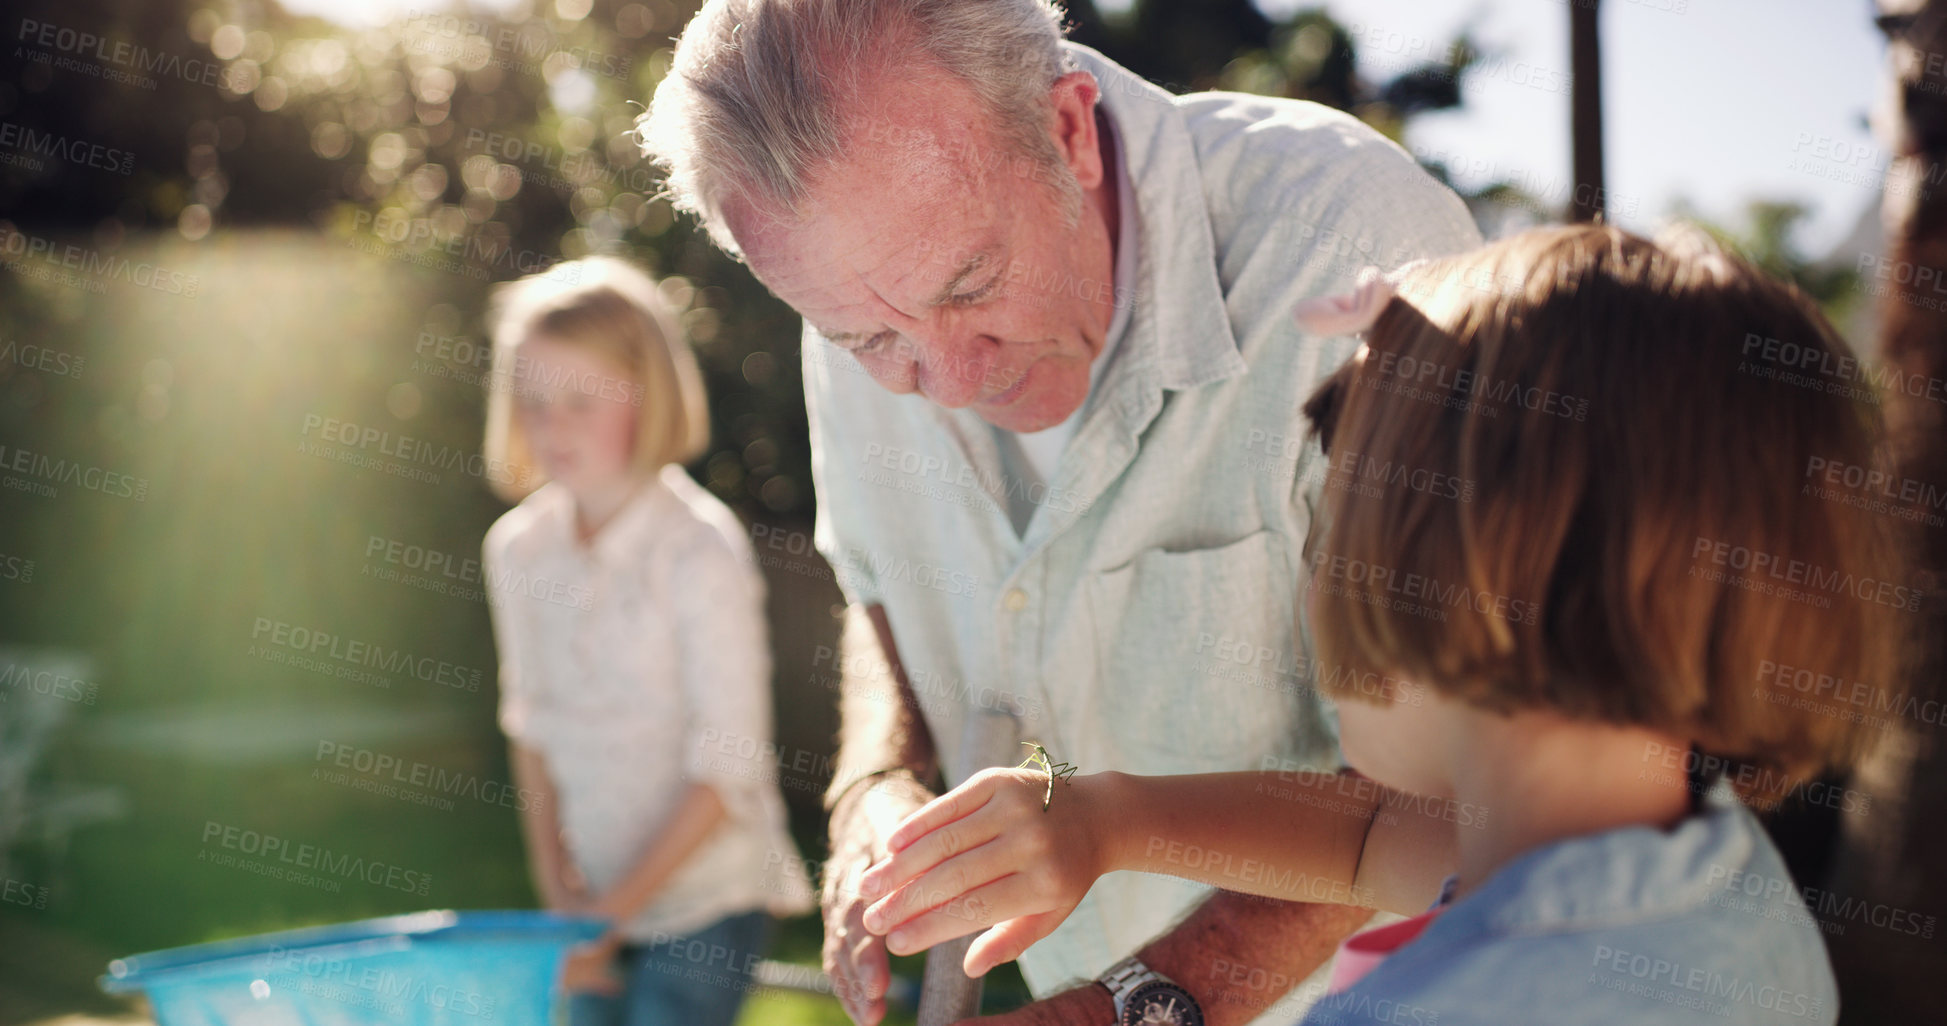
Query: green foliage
[[486, 145], [1767, 235]]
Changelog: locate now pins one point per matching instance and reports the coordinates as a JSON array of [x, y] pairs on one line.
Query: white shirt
[[635, 666], [1143, 620]]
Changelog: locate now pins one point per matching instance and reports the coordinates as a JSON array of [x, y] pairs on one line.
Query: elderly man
[[1054, 389]]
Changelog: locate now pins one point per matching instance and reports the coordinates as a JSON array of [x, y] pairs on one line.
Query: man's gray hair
[[755, 102]]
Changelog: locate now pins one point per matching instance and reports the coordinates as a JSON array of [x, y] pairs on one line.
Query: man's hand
[[1086, 1005], [854, 957]]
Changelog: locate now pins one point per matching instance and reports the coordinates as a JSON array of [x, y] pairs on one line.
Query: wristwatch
[[1145, 997]]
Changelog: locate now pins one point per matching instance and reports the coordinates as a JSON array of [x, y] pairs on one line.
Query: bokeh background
[[249, 273]]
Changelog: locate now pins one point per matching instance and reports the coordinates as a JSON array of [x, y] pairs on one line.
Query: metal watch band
[[1124, 977]]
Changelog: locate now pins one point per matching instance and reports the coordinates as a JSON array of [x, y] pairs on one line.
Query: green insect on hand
[[1039, 757]]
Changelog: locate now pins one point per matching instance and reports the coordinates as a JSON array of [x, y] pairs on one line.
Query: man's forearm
[[1238, 954], [880, 729], [880, 726]]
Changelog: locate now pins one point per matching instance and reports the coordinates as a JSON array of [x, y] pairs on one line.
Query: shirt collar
[[1185, 339], [626, 534], [1128, 249], [1632, 874]]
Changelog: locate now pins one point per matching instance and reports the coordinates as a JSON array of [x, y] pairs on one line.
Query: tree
[[1585, 60]]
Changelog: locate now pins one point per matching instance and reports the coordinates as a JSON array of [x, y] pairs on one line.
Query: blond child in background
[[635, 667], [1556, 674]]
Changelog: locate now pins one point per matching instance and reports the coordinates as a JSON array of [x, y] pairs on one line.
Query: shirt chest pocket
[[1196, 663]]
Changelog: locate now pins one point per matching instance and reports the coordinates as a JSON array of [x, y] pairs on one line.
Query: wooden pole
[[946, 993]]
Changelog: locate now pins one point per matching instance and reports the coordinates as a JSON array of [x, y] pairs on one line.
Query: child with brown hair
[[1556, 674]]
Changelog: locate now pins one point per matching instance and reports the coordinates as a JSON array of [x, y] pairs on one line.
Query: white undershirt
[[1032, 458]]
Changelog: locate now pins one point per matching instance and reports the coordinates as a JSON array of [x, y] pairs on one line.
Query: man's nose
[[953, 367]]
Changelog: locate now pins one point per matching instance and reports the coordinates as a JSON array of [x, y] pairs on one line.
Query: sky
[[1716, 102]]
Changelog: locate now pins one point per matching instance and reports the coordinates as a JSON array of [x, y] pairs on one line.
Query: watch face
[[1161, 1004]]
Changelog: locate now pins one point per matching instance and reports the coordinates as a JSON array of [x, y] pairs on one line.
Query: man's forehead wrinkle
[[792, 271], [890, 244], [897, 276], [833, 291], [888, 277], [896, 217], [841, 305]]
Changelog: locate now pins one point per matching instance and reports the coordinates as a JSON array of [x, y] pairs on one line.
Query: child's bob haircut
[[612, 309], [1638, 527]]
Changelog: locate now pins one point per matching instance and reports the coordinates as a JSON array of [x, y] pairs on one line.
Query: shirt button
[[1015, 600]]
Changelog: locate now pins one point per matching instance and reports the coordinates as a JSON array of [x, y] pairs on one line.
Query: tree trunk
[[1585, 106]]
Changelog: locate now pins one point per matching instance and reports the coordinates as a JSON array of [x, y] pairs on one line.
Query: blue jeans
[[695, 980]]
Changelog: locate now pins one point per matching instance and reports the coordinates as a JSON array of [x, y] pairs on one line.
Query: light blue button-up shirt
[[1700, 924], [1143, 621]]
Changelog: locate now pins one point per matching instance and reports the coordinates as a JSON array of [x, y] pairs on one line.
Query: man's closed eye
[[873, 345], [974, 296]]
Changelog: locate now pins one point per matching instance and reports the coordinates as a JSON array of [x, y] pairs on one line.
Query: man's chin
[[1049, 402], [1023, 421]]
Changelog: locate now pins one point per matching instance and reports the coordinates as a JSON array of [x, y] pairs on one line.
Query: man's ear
[[1073, 98]]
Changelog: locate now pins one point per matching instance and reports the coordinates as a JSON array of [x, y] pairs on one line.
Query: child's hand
[[987, 854], [591, 967], [569, 901], [606, 907]]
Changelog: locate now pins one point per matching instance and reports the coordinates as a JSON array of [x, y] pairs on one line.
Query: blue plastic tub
[[432, 968]]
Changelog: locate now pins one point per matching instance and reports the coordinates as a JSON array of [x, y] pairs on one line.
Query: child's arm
[[556, 879], [986, 854], [698, 813]]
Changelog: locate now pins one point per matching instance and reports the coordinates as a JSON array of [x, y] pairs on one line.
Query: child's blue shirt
[[1699, 924]]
